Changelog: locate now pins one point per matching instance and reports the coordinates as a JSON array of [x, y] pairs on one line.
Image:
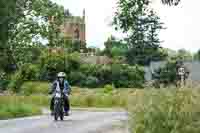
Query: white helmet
[[61, 75]]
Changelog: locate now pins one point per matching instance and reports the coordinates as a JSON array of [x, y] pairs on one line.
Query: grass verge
[[12, 108]]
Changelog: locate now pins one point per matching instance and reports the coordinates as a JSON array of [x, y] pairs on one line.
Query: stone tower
[[74, 28]]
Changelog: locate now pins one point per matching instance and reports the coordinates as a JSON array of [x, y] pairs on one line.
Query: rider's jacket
[[64, 87]]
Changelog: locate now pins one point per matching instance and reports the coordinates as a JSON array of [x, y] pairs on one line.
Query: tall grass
[[13, 106], [98, 98], [18, 110], [165, 111], [37, 100]]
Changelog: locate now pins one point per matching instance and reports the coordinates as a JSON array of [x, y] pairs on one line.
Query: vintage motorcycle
[[59, 105]]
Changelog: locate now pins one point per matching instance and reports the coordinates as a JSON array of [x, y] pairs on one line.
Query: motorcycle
[[58, 105], [181, 80]]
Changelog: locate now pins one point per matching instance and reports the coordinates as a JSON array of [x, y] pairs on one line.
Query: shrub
[[108, 89], [165, 75], [51, 64], [90, 69], [117, 74], [104, 75], [76, 78], [127, 76], [73, 61], [4, 84], [16, 82], [26, 72], [29, 72], [91, 82]]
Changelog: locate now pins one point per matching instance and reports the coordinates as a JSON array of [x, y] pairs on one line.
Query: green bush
[[165, 111], [16, 82], [127, 76], [83, 75], [29, 88], [73, 61], [51, 64], [165, 75], [91, 82], [108, 89], [30, 72], [4, 84], [26, 72], [76, 78], [90, 69], [104, 74]]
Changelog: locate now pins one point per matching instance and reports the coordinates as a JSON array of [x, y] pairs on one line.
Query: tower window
[[77, 33]]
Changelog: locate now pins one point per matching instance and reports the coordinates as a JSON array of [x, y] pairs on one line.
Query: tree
[[171, 2], [115, 47], [184, 55], [23, 24], [8, 13], [197, 55], [29, 24], [136, 18]]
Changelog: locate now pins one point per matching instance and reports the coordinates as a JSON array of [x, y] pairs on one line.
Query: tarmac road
[[77, 122]]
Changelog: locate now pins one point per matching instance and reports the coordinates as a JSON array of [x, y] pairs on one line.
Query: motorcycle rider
[[63, 85], [182, 70]]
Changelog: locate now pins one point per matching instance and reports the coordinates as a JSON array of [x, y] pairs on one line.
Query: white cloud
[[182, 24]]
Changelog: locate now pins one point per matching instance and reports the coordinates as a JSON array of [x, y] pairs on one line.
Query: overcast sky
[[182, 22]]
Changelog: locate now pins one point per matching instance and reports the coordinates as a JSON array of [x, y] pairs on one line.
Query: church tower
[[84, 15], [74, 28], [83, 27]]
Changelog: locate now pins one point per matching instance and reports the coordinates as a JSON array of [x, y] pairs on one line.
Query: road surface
[[77, 122]]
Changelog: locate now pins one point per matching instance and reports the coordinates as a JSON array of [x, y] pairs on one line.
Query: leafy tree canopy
[[140, 22]]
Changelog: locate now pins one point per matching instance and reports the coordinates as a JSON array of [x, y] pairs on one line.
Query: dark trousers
[[66, 104]]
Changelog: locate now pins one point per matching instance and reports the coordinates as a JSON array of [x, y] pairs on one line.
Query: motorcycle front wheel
[[61, 116]]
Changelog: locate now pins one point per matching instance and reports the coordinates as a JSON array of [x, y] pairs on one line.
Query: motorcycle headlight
[[58, 95]]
